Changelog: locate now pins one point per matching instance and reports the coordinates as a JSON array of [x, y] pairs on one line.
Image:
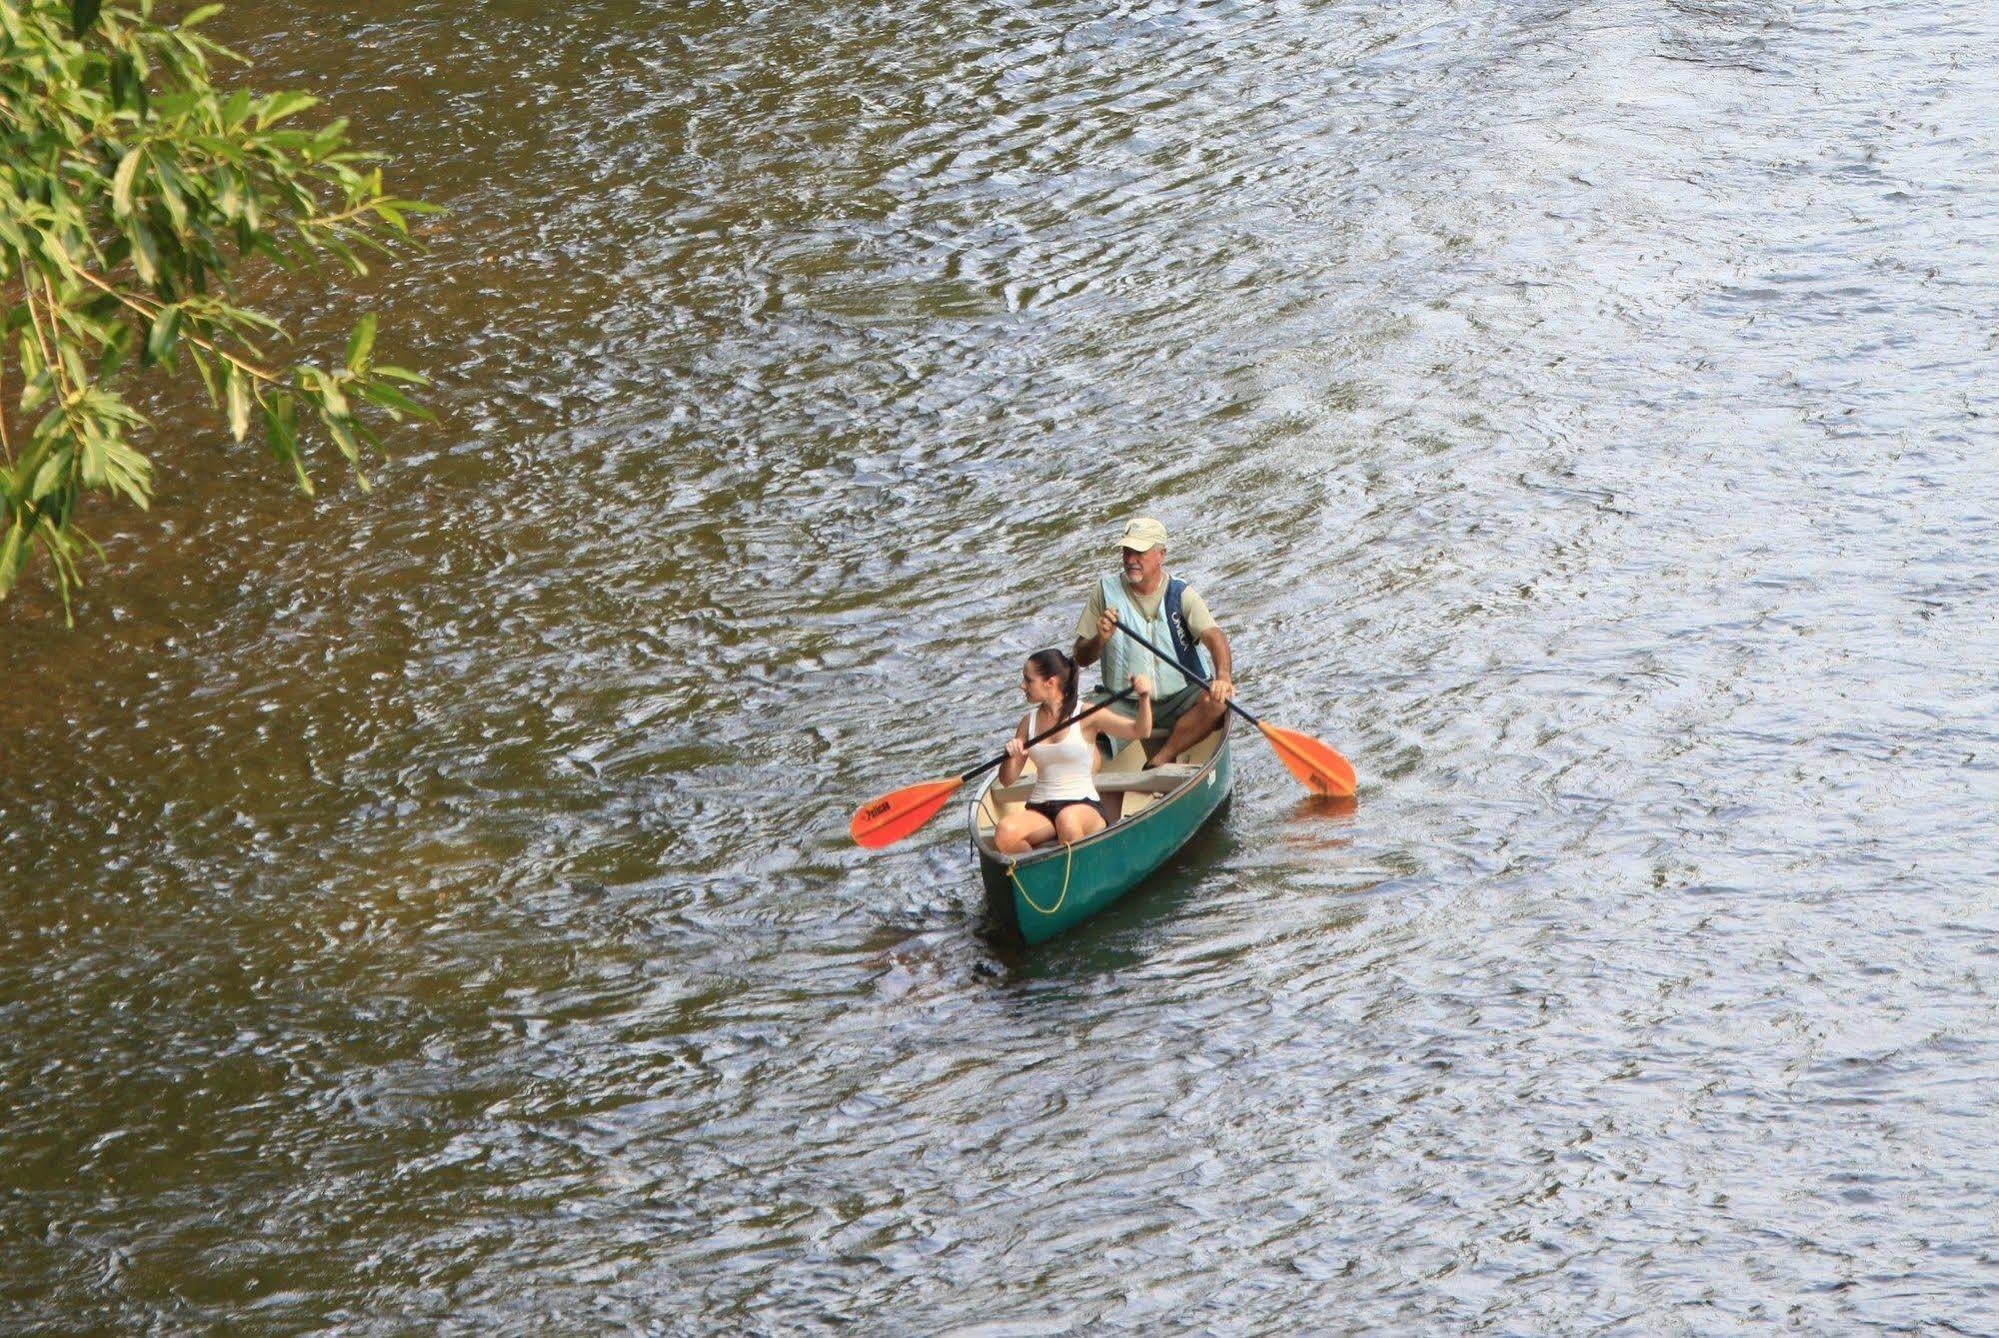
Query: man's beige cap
[[1141, 534]]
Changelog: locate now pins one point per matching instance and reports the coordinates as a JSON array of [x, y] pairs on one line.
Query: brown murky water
[[432, 908]]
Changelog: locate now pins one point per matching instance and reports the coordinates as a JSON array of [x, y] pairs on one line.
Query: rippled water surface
[[433, 906]]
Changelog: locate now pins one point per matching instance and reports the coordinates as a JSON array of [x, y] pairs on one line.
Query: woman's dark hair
[[1052, 663]]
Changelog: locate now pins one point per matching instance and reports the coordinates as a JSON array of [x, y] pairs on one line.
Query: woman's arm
[[1115, 725], [1016, 755]]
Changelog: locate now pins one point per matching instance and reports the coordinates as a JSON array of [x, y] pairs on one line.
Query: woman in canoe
[[1064, 805]]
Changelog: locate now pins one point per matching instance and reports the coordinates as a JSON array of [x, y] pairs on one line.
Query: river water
[[431, 908]]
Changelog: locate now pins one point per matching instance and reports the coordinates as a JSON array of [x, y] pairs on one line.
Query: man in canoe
[[1165, 612]]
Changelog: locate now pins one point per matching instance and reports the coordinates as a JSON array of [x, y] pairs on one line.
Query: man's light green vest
[[1124, 657]]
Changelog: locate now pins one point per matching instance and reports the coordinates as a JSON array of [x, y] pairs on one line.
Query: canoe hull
[[1053, 890]]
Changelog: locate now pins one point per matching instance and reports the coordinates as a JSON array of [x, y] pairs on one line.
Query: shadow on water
[[1325, 806]]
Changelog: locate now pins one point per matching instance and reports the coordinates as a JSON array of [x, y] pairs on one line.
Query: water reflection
[[437, 904], [1309, 810]]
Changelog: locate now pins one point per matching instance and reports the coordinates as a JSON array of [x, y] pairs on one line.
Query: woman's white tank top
[[1064, 766]]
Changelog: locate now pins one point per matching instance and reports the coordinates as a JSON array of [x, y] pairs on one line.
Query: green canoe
[[1033, 897]]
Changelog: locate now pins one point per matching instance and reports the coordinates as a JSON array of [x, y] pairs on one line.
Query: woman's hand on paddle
[[1015, 759], [1137, 726], [1221, 690]]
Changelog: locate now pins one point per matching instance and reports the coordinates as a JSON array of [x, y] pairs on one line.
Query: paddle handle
[[1187, 669], [1048, 734]]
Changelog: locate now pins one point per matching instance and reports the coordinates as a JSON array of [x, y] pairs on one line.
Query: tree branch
[[139, 306]]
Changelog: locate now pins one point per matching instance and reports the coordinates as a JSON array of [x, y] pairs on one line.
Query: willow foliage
[[133, 193]]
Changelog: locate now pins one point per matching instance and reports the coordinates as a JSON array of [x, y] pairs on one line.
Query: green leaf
[[200, 16], [52, 475], [333, 399], [207, 370], [13, 550], [123, 179], [31, 356], [220, 148], [116, 349], [401, 374], [280, 105], [72, 362], [395, 402], [82, 14], [173, 187], [145, 252], [361, 343], [91, 465], [247, 316], [343, 437], [166, 329], [228, 195], [239, 402], [281, 435], [129, 472], [128, 84]]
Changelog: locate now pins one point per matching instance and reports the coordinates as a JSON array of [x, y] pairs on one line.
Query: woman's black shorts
[[1050, 807]]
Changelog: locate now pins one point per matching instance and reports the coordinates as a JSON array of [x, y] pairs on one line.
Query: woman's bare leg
[[1077, 821], [1020, 832]]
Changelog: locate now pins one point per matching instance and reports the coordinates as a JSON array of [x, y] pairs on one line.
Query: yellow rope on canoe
[[1068, 866]]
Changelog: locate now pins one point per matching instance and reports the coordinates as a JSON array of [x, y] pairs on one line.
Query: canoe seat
[[1159, 780]]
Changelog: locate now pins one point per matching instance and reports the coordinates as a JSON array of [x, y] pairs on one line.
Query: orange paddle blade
[[1323, 770], [886, 820]]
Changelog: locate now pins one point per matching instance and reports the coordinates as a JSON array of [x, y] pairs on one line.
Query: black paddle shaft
[[1048, 733], [1186, 669]]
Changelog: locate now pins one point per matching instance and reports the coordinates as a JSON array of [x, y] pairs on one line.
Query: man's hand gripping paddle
[[1323, 770]]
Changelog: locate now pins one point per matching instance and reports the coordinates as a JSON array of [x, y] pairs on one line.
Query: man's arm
[[1091, 630], [1223, 684], [1090, 648]]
